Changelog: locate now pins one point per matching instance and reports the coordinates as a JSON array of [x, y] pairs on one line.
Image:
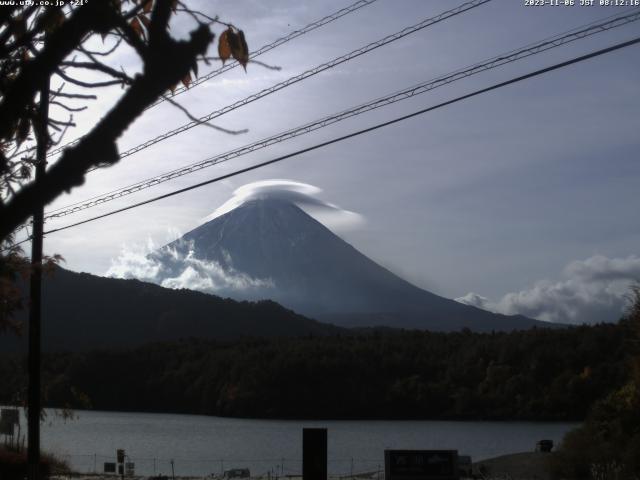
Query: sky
[[521, 200]]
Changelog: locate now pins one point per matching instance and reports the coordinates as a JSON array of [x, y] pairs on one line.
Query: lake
[[200, 445]]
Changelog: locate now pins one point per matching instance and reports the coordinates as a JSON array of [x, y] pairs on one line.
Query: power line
[[404, 94], [496, 86], [233, 64], [266, 48], [306, 74], [309, 73]]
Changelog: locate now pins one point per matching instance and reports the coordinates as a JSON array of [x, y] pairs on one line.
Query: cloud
[[475, 300], [176, 266], [592, 290], [301, 194], [170, 267], [134, 263]]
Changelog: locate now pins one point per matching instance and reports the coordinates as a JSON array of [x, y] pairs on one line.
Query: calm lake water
[[201, 445]]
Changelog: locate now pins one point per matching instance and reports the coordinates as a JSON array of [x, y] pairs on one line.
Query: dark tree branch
[[75, 95], [159, 23], [131, 37], [6, 13], [163, 67], [101, 67], [67, 107], [5, 48], [98, 16], [55, 142], [68, 123], [106, 53], [195, 13], [266, 65], [23, 151], [197, 120], [80, 83]]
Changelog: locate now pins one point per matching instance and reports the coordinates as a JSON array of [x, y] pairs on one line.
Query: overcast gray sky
[[526, 196]]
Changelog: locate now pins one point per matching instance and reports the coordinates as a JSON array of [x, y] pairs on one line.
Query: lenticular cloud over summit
[[301, 194]]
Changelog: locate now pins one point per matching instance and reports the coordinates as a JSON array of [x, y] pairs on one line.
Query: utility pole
[[35, 294]]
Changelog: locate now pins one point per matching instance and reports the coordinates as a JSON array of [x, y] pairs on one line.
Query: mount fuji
[[271, 248]]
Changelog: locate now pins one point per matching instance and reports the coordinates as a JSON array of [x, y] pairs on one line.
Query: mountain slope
[[82, 311], [286, 255]]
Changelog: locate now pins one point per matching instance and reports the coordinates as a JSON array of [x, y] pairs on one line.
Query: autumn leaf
[[194, 68], [239, 49], [145, 20], [19, 27], [137, 27], [224, 49], [51, 19], [186, 80], [243, 54]]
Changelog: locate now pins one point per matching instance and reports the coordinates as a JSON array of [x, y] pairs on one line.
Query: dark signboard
[[314, 454], [109, 467], [421, 465]]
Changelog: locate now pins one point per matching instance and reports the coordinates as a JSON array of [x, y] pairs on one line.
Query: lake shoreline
[[516, 466], [203, 445], [461, 419]]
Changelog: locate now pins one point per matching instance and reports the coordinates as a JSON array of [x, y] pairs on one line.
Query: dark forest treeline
[[86, 312], [536, 374]]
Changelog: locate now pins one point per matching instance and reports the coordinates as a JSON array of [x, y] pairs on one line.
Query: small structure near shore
[[421, 465], [544, 446], [237, 473]]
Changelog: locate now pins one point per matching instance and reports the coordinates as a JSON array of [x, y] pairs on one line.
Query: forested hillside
[[84, 312], [536, 374]]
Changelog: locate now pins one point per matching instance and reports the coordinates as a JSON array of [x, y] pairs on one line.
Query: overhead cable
[[233, 64], [306, 74], [404, 94], [496, 86]]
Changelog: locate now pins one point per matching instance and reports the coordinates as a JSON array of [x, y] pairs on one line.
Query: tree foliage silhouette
[[75, 48]]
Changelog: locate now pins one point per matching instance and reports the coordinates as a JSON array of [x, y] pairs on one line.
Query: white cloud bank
[[171, 268], [592, 290], [301, 194]]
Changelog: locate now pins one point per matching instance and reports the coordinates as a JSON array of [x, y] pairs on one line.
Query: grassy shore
[[13, 464], [518, 466]]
